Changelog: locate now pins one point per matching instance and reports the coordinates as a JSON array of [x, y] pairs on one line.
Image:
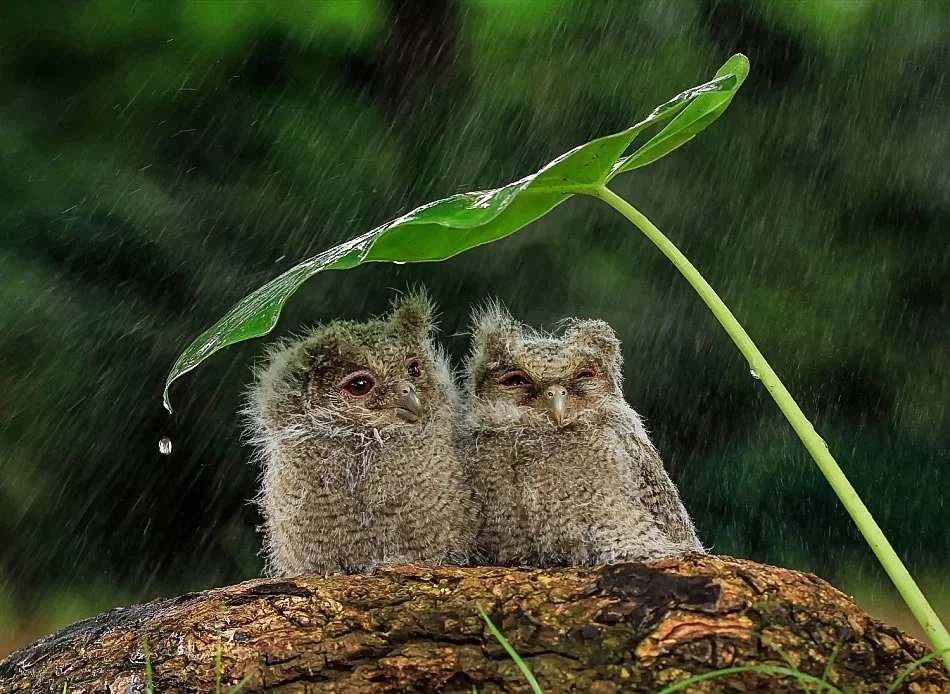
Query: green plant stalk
[[816, 446]]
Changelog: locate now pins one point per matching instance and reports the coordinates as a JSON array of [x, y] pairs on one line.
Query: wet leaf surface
[[447, 227]]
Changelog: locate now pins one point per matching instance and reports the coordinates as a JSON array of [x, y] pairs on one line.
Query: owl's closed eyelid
[[514, 378], [596, 495]]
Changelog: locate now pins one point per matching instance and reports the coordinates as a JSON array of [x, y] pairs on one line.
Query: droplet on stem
[[755, 375]]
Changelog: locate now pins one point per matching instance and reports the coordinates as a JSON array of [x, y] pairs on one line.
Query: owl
[[566, 469], [353, 425]]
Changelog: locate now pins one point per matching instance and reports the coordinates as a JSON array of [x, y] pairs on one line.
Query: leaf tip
[[739, 65]]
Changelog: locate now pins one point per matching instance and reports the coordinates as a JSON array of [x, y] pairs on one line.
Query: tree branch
[[627, 627]]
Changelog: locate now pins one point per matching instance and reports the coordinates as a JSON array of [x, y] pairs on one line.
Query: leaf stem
[[815, 445]]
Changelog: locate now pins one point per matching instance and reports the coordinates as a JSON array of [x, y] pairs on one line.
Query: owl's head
[[521, 376], [351, 377]]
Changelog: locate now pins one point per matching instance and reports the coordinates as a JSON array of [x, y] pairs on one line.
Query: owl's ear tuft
[[493, 329], [414, 315], [597, 334], [494, 336], [323, 346]]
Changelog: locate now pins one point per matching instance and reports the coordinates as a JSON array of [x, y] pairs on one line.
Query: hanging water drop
[[755, 374], [165, 445]]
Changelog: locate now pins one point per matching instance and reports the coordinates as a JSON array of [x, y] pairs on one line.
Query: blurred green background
[[159, 160]]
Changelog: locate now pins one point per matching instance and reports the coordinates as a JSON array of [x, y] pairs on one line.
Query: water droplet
[[165, 445], [398, 262], [755, 375]]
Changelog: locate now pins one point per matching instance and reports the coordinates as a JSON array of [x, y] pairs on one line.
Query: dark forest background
[[159, 160]]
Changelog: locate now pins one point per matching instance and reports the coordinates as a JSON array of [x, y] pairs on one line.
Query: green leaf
[[445, 228], [695, 118]]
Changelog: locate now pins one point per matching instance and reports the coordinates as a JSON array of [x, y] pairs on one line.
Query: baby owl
[[568, 473], [353, 424]]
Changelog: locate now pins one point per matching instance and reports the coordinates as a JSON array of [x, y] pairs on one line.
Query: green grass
[[821, 684], [525, 670], [149, 676]]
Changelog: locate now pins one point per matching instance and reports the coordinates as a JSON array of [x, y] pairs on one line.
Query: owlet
[[354, 427], [567, 471]]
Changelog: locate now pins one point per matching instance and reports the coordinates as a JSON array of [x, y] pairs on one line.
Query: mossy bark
[[621, 628]]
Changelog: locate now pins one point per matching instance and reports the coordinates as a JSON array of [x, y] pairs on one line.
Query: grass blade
[[785, 656], [240, 685], [913, 666], [512, 653], [217, 658], [773, 669], [149, 684]]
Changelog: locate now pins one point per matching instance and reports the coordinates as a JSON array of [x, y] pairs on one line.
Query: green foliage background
[[160, 160]]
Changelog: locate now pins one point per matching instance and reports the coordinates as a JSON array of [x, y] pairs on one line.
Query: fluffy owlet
[[568, 473], [353, 424]]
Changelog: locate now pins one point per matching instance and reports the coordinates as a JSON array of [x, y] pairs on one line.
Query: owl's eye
[[513, 379], [414, 369], [585, 374], [358, 385]]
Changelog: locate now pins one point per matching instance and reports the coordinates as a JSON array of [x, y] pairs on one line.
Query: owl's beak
[[408, 405], [556, 397]]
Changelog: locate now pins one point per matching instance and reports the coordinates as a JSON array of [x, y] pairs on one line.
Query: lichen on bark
[[620, 628]]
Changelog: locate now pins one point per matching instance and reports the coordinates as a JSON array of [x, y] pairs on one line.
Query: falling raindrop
[[165, 445], [755, 374]]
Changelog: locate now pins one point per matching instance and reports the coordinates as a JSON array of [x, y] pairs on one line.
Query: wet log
[[620, 628]]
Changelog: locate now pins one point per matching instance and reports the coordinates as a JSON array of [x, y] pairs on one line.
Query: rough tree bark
[[621, 628]]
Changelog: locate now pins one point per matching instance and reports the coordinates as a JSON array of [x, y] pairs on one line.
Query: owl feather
[[353, 426], [565, 467]]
